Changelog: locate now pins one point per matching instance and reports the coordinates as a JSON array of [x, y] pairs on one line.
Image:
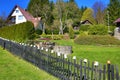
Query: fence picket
[[117, 73], [92, 70], [104, 72], [100, 72], [112, 72], [81, 70], [109, 70]]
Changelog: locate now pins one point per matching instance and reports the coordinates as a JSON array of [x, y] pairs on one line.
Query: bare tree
[[59, 6], [99, 12], [2, 19]]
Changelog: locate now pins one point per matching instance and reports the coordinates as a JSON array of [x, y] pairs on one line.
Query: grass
[[94, 53], [14, 68]]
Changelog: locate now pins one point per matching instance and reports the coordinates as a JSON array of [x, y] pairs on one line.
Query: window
[[20, 17], [17, 11], [13, 19]]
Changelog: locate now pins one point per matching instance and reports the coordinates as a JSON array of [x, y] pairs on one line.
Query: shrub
[[38, 31], [84, 27], [96, 40], [54, 37], [76, 32], [45, 36], [49, 31], [20, 32], [71, 32], [84, 33], [98, 30]]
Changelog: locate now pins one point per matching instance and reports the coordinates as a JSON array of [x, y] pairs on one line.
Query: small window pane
[[20, 17], [17, 11]]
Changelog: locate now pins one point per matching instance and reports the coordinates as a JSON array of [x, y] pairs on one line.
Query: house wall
[[19, 16]]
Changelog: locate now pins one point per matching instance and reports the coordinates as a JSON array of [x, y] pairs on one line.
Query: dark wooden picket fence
[[61, 66]]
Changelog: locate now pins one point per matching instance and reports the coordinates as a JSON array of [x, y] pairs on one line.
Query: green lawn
[[14, 68], [94, 53]]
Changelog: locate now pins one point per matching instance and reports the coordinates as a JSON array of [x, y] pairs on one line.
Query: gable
[[16, 12]]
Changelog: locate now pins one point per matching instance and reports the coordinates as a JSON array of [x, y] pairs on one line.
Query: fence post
[[74, 58], [96, 64], [109, 70], [85, 62]]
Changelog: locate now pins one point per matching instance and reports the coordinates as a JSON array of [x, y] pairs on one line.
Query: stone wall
[[63, 49]]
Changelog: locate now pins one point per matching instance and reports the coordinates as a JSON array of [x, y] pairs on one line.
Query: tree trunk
[[61, 27]]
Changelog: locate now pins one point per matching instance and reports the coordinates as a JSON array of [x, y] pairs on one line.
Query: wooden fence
[[61, 66]]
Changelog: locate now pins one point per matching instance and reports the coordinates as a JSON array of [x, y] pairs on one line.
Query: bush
[[38, 31], [76, 32], [54, 37], [98, 30], [71, 32], [96, 40], [20, 32], [57, 37], [84, 33], [84, 27]]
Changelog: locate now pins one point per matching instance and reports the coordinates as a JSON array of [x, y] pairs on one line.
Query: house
[[86, 22], [117, 29], [117, 22], [19, 15]]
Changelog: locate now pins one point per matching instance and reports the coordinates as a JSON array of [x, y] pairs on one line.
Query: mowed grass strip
[[94, 53], [14, 68]]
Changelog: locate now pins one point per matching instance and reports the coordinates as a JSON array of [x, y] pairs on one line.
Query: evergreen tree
[[71, 1], [113, 11]]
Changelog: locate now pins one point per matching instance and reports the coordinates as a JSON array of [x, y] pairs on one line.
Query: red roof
[[27, 15], [117, 21]]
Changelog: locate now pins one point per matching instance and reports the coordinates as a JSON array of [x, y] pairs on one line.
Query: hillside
[[14, 68]]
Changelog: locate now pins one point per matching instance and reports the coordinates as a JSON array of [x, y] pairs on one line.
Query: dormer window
[[17, 11]]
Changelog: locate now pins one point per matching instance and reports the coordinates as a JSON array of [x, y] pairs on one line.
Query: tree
[[42, 8], [88, 15], [64, 11], [99, 12], [2, 19], [113, 11], [71, 1], [59, 14]]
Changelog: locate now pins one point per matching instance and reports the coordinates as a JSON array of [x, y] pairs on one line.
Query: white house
[[19, 15]]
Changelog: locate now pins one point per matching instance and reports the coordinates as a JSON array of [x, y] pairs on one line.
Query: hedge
[[84, 27], [19, 32], [98, 30], [96, 40]]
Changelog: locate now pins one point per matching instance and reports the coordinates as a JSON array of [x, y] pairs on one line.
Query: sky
[[7, 5]]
